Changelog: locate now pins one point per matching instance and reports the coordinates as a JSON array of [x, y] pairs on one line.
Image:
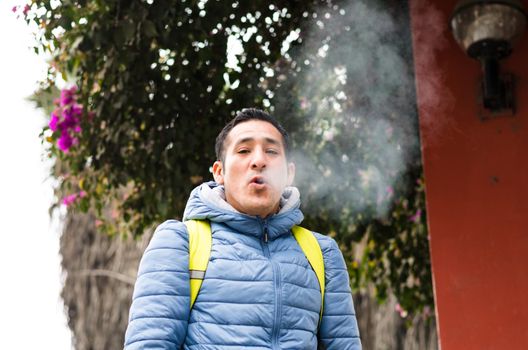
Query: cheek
[[232, 178]]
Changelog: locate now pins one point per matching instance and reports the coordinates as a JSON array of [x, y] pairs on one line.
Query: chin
[[258, 209]]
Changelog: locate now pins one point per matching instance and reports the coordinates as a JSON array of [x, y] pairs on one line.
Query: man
[[259, 291]]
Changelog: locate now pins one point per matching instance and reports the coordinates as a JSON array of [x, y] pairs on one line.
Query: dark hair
[[245, 115]]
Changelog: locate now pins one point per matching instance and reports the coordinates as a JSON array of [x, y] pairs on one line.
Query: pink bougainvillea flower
[[69, 121], [77, 109], [403, 313], [63, 127], [53, 123], [416, 216], [67, 112], [390, 192], [69, 199], [304, 104], [65, 142], [67, 96], [26, 9], [67, 118], [14, 9]]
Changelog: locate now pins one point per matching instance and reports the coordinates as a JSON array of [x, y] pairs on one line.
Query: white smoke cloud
[[357, 88]]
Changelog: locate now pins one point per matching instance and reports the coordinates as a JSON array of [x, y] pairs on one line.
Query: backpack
[[200, 242]]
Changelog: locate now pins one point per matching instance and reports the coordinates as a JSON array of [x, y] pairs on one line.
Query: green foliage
[[157, 78]]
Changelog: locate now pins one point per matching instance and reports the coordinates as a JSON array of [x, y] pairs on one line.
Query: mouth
[[257, 180]]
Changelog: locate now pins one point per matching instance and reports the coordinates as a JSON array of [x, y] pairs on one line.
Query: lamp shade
[[479, 24]]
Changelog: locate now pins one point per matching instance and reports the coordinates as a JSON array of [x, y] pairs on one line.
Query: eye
[[243, 151], [272, 151]]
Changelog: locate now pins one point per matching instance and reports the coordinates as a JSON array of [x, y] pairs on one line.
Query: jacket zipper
[[277, 289]]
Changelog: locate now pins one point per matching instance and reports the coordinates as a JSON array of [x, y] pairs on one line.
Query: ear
[[291, 173], [218, 172]]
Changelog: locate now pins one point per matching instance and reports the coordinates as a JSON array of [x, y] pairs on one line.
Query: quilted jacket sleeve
[[338, 329], [160, 304]]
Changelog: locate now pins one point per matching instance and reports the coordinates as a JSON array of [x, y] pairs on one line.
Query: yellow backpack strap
[[311, 248], [200, 241]]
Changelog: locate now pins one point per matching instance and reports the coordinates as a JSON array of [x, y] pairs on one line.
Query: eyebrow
[[251, 139]]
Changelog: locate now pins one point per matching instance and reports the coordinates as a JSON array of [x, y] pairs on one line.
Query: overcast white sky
[[31, 311]]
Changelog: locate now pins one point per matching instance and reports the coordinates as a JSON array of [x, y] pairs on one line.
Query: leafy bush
[[155, 81]]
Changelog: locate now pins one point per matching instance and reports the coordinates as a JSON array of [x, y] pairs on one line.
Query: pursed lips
[[259, 180]]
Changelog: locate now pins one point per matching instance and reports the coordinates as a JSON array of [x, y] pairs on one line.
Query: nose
[[258, 161]]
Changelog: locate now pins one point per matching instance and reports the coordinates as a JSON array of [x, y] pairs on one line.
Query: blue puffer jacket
[[256, 295]]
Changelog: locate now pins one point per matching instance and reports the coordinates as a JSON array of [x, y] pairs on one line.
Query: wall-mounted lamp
[[487, 31]]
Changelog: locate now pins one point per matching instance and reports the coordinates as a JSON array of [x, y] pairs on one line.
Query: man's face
[[255, 170]]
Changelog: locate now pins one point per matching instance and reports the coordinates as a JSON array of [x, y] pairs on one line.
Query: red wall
[[476, 175]]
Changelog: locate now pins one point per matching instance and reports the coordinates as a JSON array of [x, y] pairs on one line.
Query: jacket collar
[[207, 202]]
